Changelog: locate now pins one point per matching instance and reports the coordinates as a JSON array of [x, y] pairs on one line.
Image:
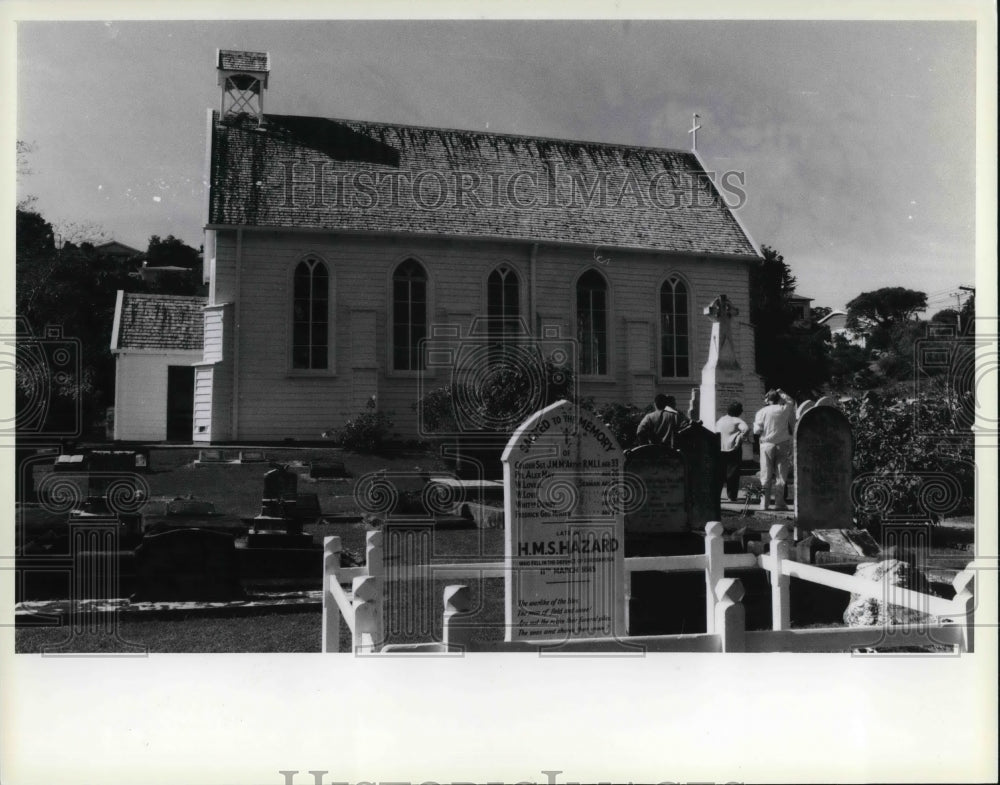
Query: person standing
[[660, 425], [775, 424], [732, 431]]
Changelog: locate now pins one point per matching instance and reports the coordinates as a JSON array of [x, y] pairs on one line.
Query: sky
[[857, 139]]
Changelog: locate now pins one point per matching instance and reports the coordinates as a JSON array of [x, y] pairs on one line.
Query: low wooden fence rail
[[947, 622]]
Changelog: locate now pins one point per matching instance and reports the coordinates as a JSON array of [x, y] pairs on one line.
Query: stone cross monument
[[721, 378]]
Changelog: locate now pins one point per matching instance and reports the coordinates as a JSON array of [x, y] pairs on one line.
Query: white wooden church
[[337, 249]]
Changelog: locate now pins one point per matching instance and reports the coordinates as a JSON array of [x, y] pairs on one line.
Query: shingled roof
[[353, 176], [159, 321], [231, 60]]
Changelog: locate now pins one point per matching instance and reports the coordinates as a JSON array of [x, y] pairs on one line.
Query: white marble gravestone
[[564, 528], [721, 377]]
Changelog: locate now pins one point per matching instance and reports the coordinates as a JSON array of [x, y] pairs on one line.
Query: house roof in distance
[[115, 248], [353, 176], [158, 321]]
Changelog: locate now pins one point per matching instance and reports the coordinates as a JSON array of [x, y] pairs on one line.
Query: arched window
[[311, 315], [409, 315], [675, 352], [592, 322], [503, 307]]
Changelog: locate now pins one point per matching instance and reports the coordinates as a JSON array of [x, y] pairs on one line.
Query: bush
[[623, 421], [365, 433], [917, 450], [494, 402]]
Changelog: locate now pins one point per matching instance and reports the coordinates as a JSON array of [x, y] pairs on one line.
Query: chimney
[[243, 79]]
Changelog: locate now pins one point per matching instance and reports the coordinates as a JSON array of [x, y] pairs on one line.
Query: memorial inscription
[[564, 513], [823, 470], [655, 481]]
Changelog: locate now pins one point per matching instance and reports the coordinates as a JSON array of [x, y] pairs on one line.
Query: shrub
[[918, 449], [494, 402], [365, 433], [623, 421]]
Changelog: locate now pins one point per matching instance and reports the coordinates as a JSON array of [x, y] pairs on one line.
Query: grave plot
[[572, 505]]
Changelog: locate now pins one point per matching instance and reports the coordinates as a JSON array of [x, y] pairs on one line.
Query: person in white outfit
[[775, 425], [732, 431]]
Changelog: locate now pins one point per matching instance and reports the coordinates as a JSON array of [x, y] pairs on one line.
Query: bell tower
[[243, 79]]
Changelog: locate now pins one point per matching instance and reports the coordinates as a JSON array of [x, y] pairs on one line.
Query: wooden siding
[[276, 403], [213, 334], [141, 394]]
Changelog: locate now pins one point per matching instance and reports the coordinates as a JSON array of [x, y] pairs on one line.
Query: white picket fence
[[361, 607]]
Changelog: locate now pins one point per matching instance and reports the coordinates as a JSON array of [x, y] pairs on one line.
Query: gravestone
[[721, 377], [187, 565], [279, 524], [824, 452], [694, 404], [656, 499], [657, 523], [280, 482], [701, 449], [564, 512]]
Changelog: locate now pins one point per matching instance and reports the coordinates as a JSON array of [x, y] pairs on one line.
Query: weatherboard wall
[[274, 402], [141, 404]]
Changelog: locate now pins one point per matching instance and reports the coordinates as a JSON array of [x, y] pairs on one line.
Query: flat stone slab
[[279, 539], [472, 491], [455, 482], [848, 542], [122, 605], [485, 516]]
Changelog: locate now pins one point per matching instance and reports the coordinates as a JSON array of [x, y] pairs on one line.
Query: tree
[[24, 149], [946, 316], [792, 356], [848, 365], [171, 252], [81, 233], [874, 313], [968, 314], [818, 312], [74, 288]]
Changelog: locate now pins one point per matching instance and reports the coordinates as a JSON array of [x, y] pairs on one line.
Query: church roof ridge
[[496, 134]]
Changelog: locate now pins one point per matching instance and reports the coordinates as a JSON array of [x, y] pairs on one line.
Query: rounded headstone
[[804, 407]]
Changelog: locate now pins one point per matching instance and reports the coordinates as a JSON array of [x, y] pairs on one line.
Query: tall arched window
[[409, 315], [592, 322], [675, 352], [503, 307], [311, 315]]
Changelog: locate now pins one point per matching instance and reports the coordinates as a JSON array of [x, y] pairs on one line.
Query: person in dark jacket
[[661, 425]]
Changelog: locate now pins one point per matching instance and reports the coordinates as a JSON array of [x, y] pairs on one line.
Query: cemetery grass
[[235, 490], [284, 632]]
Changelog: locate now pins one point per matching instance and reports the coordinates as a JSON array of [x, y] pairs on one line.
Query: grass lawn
[[415, 610], [276, 632], [236, 489]]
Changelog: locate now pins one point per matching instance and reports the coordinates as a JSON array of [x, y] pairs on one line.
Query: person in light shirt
[[732, 431], [661, 425], [775, 425]]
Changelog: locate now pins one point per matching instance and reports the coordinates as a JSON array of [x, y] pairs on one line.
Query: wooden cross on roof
[[694, 132]]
